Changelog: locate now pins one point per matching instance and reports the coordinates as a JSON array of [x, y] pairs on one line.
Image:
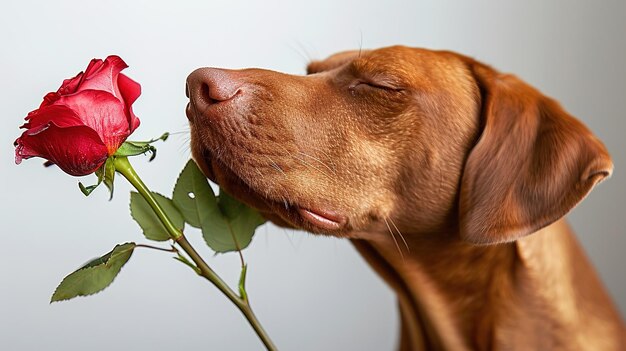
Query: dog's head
[[420, 139]]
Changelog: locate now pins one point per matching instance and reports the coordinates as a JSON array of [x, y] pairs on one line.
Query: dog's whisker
[[301, 51], [400, 234], [326, 155], [184, 149], [275, 165], [258, 172], [180, 132], [394, 239], [286, 150], [185, 144], [318, 160], [307, 164], [290, 239], [361, 44], [269, 189]]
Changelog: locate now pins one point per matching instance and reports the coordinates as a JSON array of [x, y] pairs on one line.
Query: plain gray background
[[311, 293]]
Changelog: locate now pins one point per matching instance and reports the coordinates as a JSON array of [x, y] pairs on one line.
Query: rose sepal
[[133, 148], [106, 174]]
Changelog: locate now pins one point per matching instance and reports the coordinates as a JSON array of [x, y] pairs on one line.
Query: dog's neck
[[457, 296]]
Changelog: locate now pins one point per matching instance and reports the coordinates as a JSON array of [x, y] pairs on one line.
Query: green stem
[[173, 249], [124, 167], [242, 303]]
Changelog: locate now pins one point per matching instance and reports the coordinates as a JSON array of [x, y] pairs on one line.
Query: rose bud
[[84, 122]]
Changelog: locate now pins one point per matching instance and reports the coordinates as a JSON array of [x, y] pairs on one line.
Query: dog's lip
[[323, 218]]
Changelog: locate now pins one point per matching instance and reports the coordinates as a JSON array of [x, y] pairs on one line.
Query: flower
[[85, 121]]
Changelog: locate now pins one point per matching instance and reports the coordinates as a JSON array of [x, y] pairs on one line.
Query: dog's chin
[[282, 212]]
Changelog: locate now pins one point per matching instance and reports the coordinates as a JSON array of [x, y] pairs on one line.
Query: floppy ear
[[532, 164], [333, 61]]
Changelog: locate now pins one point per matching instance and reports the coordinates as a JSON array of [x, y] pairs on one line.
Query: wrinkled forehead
[[409, 62], [415, 64]]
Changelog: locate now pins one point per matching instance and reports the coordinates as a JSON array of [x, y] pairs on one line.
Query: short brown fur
[[438, 168]]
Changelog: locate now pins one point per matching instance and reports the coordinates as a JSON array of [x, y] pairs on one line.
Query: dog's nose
[[208, 86]]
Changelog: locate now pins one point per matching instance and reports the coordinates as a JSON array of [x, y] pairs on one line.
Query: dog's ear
[[333, 61], [532, 164]]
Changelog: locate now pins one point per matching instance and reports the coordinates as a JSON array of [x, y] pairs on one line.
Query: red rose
[[85, 121]]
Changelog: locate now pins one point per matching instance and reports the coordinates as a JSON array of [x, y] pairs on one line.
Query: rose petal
[[61, 115], [130, 91], [104, 76], [94, 66], [70, 86], [49, 99], [133, 120], [103, 113], [76, 150]]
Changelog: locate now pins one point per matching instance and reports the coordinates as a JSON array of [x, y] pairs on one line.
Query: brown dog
[[438, 168]]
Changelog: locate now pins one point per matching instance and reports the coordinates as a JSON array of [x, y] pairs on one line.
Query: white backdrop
[[311, 293]]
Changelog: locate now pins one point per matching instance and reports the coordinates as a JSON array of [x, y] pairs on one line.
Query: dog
[[449, 177]]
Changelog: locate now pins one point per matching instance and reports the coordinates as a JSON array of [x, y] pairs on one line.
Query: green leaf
[[218, 235], [232, 227], [242, 220], [94, 276], [227, 224], [143, 214], [193, 196]]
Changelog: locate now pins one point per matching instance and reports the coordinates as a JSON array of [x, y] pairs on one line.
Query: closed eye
[[373, 85]]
